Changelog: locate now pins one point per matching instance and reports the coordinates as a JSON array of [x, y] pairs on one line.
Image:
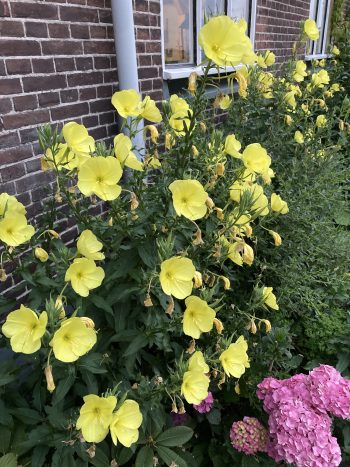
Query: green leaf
[[169, 457], [100, 459], [343, 361], [9, 460], [176, 436], [214, 417], [39, 455], [144, 457], [62, 388], [91, 362], [27, 416], [249, 461], [342, 217], [5, 439], [101, 303], [136, 344]]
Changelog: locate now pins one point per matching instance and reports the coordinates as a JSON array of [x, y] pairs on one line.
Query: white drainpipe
[[125, 46]]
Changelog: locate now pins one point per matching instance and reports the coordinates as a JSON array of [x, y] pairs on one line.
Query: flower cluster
[[249, 436], [299, 424], [14, 229]]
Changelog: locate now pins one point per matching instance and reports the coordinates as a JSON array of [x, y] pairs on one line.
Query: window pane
[[239, 9], [178, 32], [213, 8]]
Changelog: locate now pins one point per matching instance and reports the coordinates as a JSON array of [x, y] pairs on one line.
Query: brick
[[4, 9], [48, 99], [80, 31], [62, 47], [106, 118], [10, 86], [99, 32], [69, 13], [11, 29], [2, 68], [141, 19], [105, 16], [28, 135], [104, 91], [27, 102], [87, 94], [58, 30], [32, 181], [39, 10], [33, 165], [102, 48], [84, 63], [11, 47], [15, 154], [90, 121], [102, 63], [43, 83], [110, 76], [156, 34], [68, 111], [149, 72], [69, 95], [141, 5], [99, 133], [100, 106], [153, 47], [84, 79], [18, 66], [143, 34], [98, 3], [5, 105], [145, 60], [43, 65], [12, 172], [36, 29], [64, 64], [20, 120]]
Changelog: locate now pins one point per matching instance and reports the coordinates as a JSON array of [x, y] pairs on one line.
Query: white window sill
[[317, 56], [184, 72]]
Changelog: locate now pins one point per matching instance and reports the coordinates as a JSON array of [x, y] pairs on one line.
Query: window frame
[[178, 72], [324, 32]]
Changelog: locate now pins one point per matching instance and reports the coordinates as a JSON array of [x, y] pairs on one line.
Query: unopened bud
[[44, 164], [341, 125], [53, 233], [148, 301], [88, 322], [252, 327], [198, 238], [41, 254], [197, 280], [237, 389], [49, 379], [218, 326], [203, 126], [170, 308], [110, 221], [192, 83], [267, 324], [248, 254], [182, 409], [174, 408], [219, 213], [226, 281], [210, 203], [220, 169], [153, 132], [134, 202], [3, 275], [194, 151], [192, 347], [169, 141], [277, 238], [59, 307]]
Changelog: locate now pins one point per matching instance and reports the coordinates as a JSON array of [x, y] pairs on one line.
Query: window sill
[[179, 73], [317, 56]]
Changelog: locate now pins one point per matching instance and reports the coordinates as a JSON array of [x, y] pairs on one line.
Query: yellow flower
[[224, 41], [127, 103], [320, 79], [89, 246], [299, 71], [241, 77], [321, 121], [225, 102], [270, 298], [122, 150], [176, 276], [311, 29], [64, 158], [288, 120], [335, 87], [278, 205], [41, 254], [125, 423], [99, 176], [298, 137], [289, 99], [180, 121], [256, 159], [258, 198], [276, 237], [72, 340], [84, 276], [265, 83], [79, 142], [189, 198], [95, 417], [232, 146], [14, 229], [10, 205], [150, 111], [194, 387], [335, 50], [247, 254], [234, 251], [25, 329], [198, 317], [234, 359], [197, 363], [177, 103], [153, 132], [267, 60]]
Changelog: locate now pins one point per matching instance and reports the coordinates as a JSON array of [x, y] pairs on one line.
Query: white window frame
[[324, 32], [178, 72]]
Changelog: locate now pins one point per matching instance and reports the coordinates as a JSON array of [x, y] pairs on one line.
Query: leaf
[[148, 254], [100, 459], [136, 344], [343, 361], [9, 460], [62, 388], [27, 416], [144, 457], [249, 461], [39, 455], [214, 417], [91, 362], [125, 455], [342, 217], [101, 303], [176, 436], [169, 457], [5, 439]]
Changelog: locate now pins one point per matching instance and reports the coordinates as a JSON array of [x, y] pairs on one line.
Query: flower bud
[[192, 347], [248, 230], [49, 379], [44, 164], [252, 327], [192, 83], [341, 125], [219, 213], [170, 308], [248, 254], [182, 409], [53, 233], [226, 281], [220, 169], [288, 120], [194, 151], [134, 202], [110, 221], [267, 324], [203, 126], [169, 141], [59, 307], [210, 203], [88, 322], [148, 301], [237, 389], [3, 275], [41, 254], [277, 238], [153, 132], [198, 238], [174, 407], [218, 326], [197, 279]]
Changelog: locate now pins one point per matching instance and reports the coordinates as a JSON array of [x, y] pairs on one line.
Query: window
[[320, 11], [181, 22]]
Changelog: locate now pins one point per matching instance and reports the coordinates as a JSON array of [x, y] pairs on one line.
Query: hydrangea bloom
[[206, 405], [299, 424], [248, 436]]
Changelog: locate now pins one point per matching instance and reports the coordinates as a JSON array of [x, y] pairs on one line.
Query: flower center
[[99, 179], [216, 48], [65, 337]]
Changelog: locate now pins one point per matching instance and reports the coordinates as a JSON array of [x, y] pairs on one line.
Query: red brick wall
[[278, 25], [58, 65]]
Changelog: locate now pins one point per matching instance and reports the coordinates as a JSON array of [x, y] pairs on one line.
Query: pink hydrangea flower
[[299, 424], [249, 436], [206, 405]]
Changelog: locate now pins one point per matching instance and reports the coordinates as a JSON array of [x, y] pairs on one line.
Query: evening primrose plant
[[156, 305]]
